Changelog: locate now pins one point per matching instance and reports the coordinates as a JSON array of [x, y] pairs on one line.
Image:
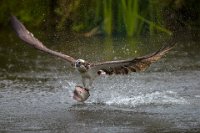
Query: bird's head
[[79, 63]]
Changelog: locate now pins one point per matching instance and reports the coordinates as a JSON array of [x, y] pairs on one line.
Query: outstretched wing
[[29, 38], [131, 65]]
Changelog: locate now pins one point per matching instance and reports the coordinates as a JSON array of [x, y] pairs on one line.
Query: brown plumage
[[91, 70], [132, 65], [29, 38]]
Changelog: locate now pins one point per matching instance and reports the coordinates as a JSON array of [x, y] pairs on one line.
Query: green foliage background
[[111, 17]]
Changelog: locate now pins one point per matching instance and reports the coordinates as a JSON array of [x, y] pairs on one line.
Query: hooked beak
[[76, 65]]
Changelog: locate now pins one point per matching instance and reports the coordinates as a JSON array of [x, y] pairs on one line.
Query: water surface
[[36, 89]]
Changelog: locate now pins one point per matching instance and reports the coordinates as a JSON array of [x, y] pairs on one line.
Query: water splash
[[155, 98]]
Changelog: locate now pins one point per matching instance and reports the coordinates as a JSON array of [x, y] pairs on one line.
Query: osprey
[[89, 71]]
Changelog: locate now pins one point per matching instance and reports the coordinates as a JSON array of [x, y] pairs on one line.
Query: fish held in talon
[[81, 94]]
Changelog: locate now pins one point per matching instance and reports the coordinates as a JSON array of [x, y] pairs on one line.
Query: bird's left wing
[[29, 38], [131, 65]]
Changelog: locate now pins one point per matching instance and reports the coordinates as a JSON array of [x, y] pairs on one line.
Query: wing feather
[[132, 65], [29, 38]]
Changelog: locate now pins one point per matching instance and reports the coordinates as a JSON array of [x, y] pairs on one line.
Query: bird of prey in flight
[[89, 71]]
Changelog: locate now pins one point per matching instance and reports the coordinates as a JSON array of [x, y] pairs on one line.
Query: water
[[36, 89]]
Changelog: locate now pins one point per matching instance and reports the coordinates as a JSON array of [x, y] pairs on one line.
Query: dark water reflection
[[36, 89]]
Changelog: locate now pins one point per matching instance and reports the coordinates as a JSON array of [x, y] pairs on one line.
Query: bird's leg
[[90, 83], [84, 82], [87, 82]]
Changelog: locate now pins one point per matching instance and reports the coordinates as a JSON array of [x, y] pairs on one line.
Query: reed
[[129, 11], [125, 17], [154, 25], [107, 15]]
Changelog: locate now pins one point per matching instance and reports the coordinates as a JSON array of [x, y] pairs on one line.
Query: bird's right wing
[[29, 38], [131, 65]]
